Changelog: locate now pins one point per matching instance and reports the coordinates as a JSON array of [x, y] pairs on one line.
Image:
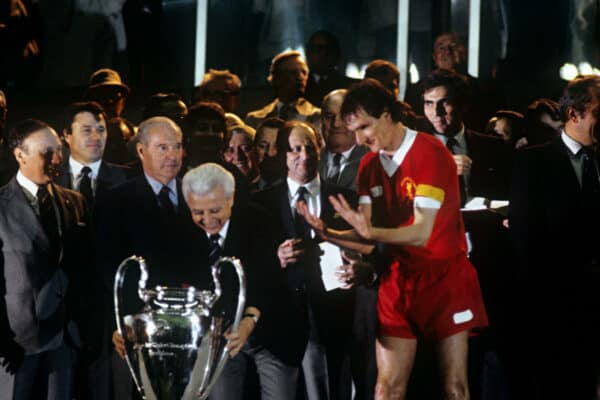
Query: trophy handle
[[222, 358], [242, 283], [118, 299]]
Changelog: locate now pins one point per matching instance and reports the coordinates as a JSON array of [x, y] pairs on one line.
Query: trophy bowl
[[175, 348]]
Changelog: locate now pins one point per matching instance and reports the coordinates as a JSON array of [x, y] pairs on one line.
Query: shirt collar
[[156, 185], [76, 167], [313, 187], [222, 233], [293, 104], [345, 154], [391, 164], [460, 137], [27, 184], [573, 145]]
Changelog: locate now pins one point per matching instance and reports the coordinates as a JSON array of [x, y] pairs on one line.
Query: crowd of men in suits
[[188, 184]]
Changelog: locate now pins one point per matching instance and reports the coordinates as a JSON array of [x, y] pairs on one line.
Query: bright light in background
[[353, 71], [299, 50], [569, 71], [585, 68], [413, 72]]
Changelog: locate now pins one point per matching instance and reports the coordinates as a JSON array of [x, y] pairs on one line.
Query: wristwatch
[[253, 316]]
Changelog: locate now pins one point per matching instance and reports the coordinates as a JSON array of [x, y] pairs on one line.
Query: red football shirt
[[423, 173]]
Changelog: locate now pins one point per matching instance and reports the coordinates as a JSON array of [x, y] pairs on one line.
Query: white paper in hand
[[331, 259]]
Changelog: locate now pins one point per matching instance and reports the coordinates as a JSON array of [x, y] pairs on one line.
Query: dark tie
[[286, 112], [334, 172], [300, 224], [452, 145], [49, 221], [165, 203], [215, 249], [590, 185], [85, 185]]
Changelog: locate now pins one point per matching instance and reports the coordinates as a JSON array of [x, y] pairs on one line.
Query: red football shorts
[[431, 301]]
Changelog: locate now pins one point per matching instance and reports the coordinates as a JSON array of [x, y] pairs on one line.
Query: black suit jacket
[[333, 310], [129, 222], [109, 175], [250, 239], [552, 230], [39, 299], [491, 168]]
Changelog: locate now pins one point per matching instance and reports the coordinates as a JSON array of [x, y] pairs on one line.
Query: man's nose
[[439, 109], [271, 151], [239, 154]]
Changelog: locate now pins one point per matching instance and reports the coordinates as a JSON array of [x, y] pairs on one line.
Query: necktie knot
[[165, 202], [214, 238], [302, 193], [42, 193], [337, 159], [452, 144], [85, 171]]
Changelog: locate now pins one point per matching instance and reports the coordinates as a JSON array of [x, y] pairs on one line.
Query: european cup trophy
[[175, 347]]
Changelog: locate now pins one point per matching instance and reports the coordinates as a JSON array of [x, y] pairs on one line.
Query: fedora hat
[[107, 77]]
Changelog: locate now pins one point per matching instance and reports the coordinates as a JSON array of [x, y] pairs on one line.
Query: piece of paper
[[498, 204], [331, 259], [476, 203]]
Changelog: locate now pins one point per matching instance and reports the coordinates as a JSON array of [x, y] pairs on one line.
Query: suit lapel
[[287, 216], [564, 168], [19, 206]]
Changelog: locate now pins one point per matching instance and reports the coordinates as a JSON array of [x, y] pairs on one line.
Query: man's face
[[588, 123], [320, 55], [302, 158], [375, 133], [240, 152], [337, 137], [441, 112], [448, 53], [210, 212], [290, 79], [266, 143], [87, 138], [502, 129], [39, 156], [224, 92], [162, 155]]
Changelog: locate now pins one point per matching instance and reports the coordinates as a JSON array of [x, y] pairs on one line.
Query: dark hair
[[456, 85], [578, 94], [73, 109], [515, 121], [246, 130], [271, 122], [165, 105], [333, 42], [379, 68], [204, 110], [22, 130], [371, 96]]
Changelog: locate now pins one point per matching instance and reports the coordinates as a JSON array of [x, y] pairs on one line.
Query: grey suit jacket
[[347, 178], [38, 298]]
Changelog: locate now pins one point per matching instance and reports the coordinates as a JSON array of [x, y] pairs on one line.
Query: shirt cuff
[[364, 200], [426, 202]]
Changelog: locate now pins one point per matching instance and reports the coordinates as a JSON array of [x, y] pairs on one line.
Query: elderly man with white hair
[[241, 232]]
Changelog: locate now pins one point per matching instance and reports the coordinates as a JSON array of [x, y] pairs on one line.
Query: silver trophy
[[175, 347]]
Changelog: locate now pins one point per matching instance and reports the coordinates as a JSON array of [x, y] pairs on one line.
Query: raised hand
[[360, 222]]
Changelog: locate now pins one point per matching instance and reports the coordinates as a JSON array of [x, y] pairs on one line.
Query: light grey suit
[[39, 300], [347, 178]]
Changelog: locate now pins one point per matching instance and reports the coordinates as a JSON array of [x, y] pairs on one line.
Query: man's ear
[[18, 153], [139, 147], [572, 114]]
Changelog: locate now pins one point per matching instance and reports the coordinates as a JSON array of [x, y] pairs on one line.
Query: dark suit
[[249, 238], [43, 305], [347, 178], [553, 228], [128, 222], [109, 175], [330, 311]]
